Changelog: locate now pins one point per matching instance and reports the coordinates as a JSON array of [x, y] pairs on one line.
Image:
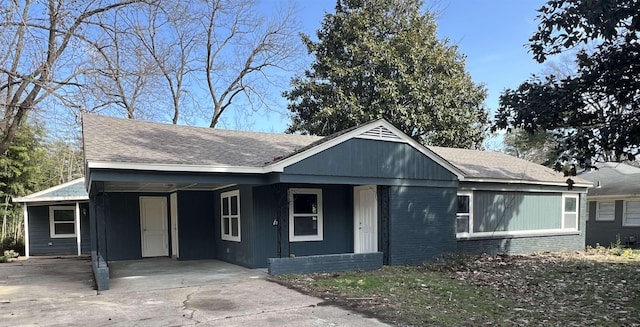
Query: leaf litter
[[551, 289]]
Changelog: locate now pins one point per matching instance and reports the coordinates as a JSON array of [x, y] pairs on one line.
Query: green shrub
[[11, 254], [3, 259]]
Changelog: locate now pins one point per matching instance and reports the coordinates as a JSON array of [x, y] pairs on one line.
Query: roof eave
[[174, 167], [613, 196], [51, 199], [522, 181]]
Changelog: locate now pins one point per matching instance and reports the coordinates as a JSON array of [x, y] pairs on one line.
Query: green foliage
[[20, 171], [564, 24], [593, 114], [382, 59]]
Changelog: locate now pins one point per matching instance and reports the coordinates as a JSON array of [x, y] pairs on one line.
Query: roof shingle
[[496, 165], [615, 178], [108, 139]]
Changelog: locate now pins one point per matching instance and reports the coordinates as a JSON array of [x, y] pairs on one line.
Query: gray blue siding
[[512, 211], [369, 158], [122, 224], [196, 225], [523, 244], [605, 233], [236, 252], [337, 219], [269, 204], [40, 241], [421, 224]]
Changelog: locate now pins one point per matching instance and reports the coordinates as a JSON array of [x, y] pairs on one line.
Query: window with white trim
[[570, 211], [464, 213], [305, 215], [605, 210], [230, 216], [62, 221], [631, 213]]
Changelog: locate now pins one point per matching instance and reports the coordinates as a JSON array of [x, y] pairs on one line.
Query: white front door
[[153, 225], [173, 199], [365, 219]]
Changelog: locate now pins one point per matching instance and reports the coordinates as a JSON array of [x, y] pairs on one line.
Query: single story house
[[614, 204], [56, 220], [366, 196]]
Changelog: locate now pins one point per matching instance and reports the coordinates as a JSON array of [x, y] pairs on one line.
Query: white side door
[[173, 200], [153, 226], [365, 219]]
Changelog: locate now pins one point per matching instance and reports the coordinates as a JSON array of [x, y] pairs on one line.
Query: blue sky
[[491, 33]]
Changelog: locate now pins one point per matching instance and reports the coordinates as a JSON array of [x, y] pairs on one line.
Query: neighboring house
[[364, 197], [614, 204], [56, 220]]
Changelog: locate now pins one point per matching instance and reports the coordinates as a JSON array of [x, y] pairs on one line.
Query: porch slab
[[165, 273]]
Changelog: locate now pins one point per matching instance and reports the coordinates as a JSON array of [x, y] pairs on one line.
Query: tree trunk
[[4, 218]]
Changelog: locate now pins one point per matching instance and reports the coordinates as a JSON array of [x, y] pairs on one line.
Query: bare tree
[[36, 37], [169, 35], [243, 50], [118, 71]]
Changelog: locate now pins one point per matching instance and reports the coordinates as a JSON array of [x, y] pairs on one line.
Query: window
[[230, 216], [62, 222], [463, 213], [631, 213], [570, 211], [605, 210], [305, 215]]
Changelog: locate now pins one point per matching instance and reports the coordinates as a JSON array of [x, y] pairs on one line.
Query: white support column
[[78, 236], [25, 214]]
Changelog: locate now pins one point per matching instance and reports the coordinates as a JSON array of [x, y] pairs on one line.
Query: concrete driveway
[[157, 292]]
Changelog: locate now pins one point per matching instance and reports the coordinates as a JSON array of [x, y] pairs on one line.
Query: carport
[[164, 273], [156, 292], [46, 276]]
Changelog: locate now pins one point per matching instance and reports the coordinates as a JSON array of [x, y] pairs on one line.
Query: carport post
[[25, 214], [78, 238]]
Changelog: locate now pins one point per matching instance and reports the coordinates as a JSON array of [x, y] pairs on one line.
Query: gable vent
[[381, 133]]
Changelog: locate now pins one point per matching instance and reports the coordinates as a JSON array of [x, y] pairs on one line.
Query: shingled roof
[[495, 165], [614, 178], [116, 140], [108, 139], [69, 191]]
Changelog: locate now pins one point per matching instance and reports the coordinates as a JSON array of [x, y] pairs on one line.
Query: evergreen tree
[[382, 59], [20, 174]]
